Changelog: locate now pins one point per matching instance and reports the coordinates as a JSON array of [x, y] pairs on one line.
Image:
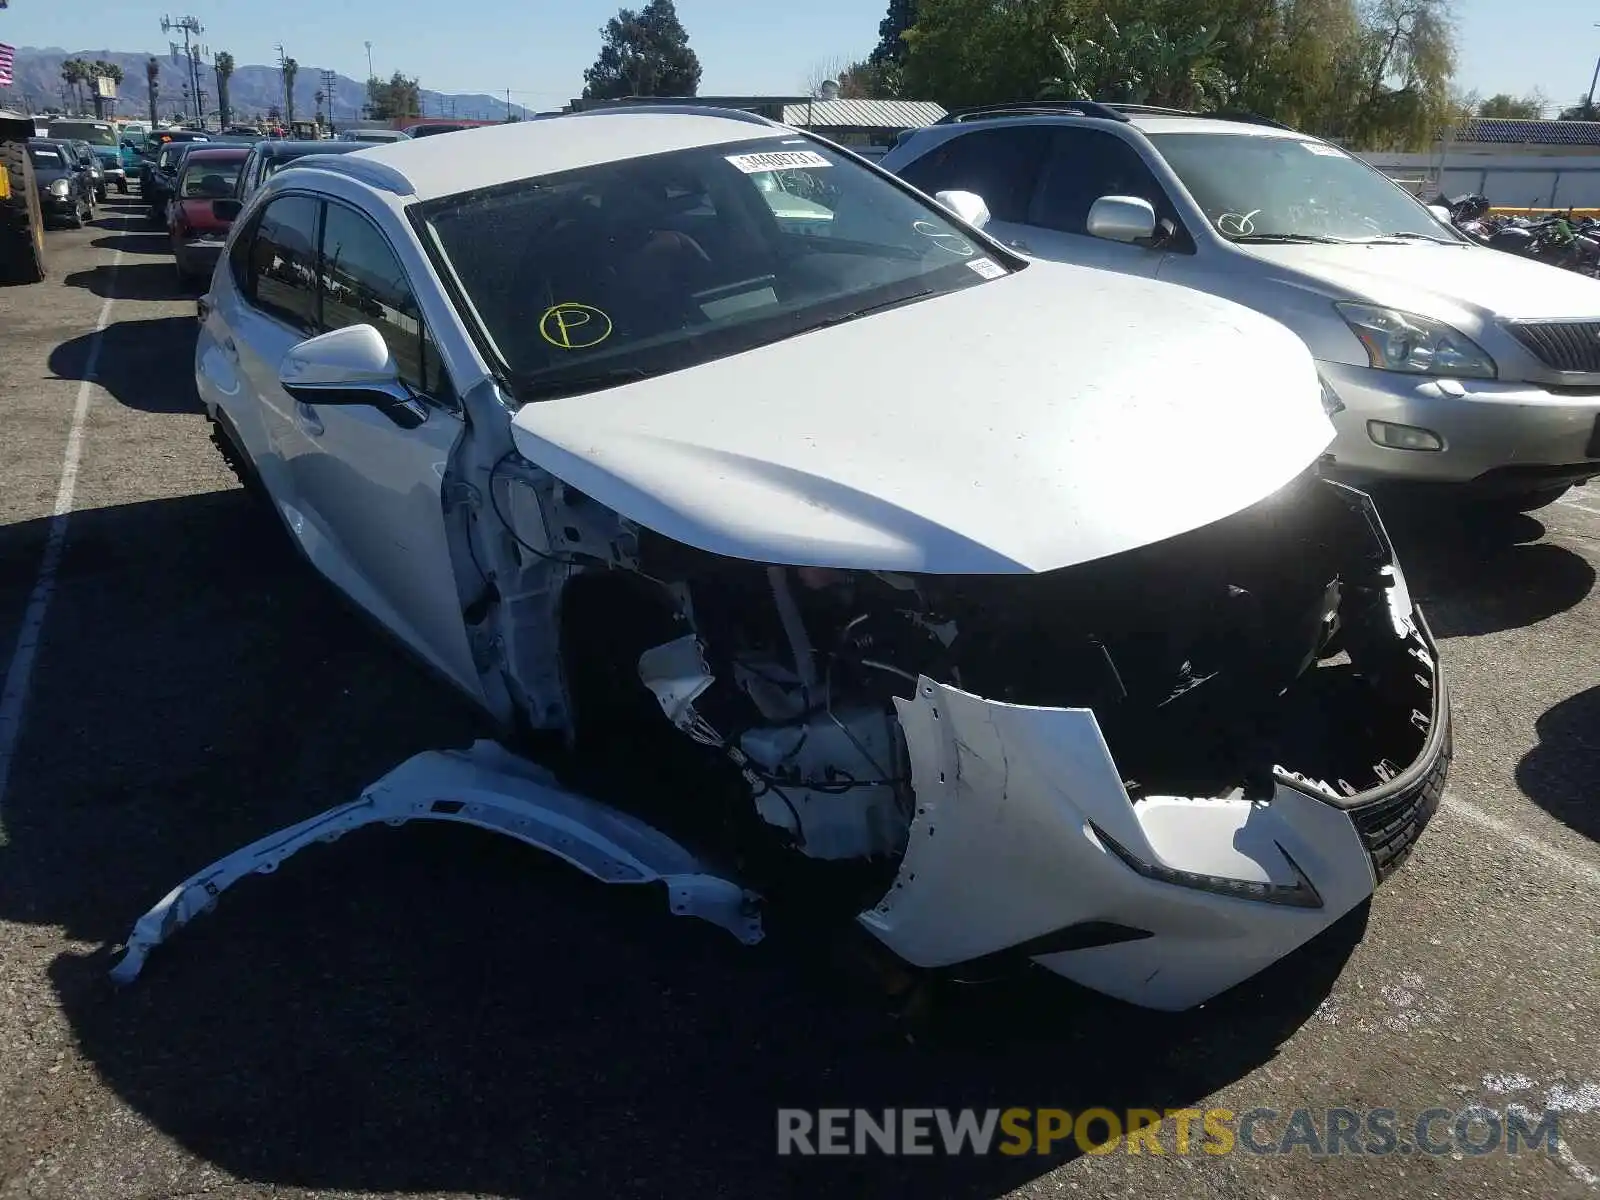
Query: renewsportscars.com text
[[1379, 1132]]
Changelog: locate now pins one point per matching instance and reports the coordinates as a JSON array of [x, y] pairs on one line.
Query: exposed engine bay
[[1274, 645]]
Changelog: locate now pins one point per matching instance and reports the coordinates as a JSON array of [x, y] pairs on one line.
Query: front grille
[[1389, 828], [1561, 345]]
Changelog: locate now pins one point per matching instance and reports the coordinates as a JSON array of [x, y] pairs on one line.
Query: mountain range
[[253, 90]]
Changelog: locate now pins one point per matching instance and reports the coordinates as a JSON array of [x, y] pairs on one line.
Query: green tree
[[643, 52], [224, 68], [74, 73], [891, 49], [966, 52], [1506, 107], [400, 97], [290, 70], [319, 98], [100, 69], [1139, 63]]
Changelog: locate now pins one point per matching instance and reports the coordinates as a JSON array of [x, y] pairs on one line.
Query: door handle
[[307, 418]]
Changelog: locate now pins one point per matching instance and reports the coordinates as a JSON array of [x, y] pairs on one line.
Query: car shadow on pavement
[[1477, 573], [434, 1009], [135, 243], [132, 281], [1562, 773], [145, 365]]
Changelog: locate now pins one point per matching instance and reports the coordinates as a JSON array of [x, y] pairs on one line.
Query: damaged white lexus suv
[[833, 556]]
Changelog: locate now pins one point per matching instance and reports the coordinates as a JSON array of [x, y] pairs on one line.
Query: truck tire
[[22, 258]]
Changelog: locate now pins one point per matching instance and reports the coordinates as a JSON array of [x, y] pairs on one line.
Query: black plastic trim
[[1085, 935]]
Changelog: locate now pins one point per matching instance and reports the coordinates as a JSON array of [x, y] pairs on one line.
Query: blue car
[[107, 146]]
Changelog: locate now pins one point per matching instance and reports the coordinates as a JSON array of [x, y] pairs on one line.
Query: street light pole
[[1588, 104], [369, 60]]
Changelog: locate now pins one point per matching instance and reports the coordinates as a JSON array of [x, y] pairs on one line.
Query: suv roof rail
[[1152, 110], [1033, 108], [682, 110], [1249, 118]]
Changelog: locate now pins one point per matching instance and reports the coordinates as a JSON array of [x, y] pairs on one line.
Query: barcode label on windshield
[[778, 160]]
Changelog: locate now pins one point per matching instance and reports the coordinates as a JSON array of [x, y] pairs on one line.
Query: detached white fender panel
[[1002, 852]]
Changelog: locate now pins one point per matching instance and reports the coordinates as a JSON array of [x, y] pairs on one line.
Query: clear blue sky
[[539, 49]]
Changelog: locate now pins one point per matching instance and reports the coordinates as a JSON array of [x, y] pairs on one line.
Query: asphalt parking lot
[[429, 1011]]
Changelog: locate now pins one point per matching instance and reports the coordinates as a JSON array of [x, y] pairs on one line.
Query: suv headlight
[[1402, 341], [60, 188], [1300, 894]]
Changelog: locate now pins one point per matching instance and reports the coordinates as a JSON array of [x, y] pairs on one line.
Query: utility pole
[[508, 106], [370, 74], [329, 81], [1588, 104], [189, 25]]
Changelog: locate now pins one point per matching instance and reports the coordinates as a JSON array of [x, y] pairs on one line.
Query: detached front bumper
[[1490, 435]]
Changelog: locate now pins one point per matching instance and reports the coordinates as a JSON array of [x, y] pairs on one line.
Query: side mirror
[[346, 366], [969, 206], [1441, 212], [226, 210], [1121, 219]]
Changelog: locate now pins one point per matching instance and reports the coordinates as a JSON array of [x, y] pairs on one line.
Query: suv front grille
[[1561, 345], [1389, 829]]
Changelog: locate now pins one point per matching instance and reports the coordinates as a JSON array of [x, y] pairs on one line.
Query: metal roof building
[[1571, 136]]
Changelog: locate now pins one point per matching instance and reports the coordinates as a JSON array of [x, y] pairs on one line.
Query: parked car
[[373, 135], [91, 163], [104, 143], [197, 231], [1451, 364], [159, 178], [64, 186], [271, 156], [570, 414]]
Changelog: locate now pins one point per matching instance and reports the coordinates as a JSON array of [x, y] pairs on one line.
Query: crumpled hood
[[1048, 418], [1449, 283]]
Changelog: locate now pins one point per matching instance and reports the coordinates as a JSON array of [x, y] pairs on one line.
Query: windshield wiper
[[871, 308], [1411, 237], [1290, 237], [531, 389]]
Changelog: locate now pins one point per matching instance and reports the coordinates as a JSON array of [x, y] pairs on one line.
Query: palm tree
[[73, 72], [224, 67], [290, 70], [319, 98], [152, 82]]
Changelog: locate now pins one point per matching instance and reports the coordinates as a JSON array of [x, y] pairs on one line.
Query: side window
[[283, 268], [1001, 165], [363, 283], [1085, 164]]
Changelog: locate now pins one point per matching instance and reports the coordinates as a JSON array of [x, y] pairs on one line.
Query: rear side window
[[363, 283], [1001, 165], [281, 271]]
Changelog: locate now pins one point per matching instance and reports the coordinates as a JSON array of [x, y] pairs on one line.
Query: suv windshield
[[96, 133], [1256, 188], [625, 269], [209, 180]]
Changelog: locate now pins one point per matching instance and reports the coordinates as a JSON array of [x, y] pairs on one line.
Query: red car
[[196, 231]]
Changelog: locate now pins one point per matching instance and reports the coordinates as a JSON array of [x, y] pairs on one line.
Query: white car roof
[[491, 154], [1209, 125]]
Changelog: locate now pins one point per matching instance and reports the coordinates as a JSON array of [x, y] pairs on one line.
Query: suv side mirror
[[352, 365], [1121, 219], [969, 206]]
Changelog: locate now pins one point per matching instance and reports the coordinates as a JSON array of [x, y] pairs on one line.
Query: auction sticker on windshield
[[778, 160]]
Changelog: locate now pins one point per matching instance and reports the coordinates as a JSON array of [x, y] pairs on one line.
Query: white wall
[[1508, 180]]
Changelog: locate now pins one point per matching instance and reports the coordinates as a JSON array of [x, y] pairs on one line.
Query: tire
[[77, 219], [22, 257]]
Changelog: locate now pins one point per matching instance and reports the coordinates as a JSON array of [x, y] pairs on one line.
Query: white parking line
[[1569, 863], [14, 693]]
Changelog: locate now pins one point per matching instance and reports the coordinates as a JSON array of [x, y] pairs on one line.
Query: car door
[[272, 306], [373, 487], [1000, 164], [1083, 165]]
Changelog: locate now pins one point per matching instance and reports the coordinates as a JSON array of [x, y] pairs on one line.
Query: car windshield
[[637, 267], [96, 133], [209, 180], [46, 156], [1256, 188]]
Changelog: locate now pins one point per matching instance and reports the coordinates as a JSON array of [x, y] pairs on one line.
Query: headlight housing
[[1300, 894], [60, 188], [1403, 341]]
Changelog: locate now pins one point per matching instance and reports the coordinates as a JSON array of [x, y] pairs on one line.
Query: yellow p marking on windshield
[[573, 326]]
